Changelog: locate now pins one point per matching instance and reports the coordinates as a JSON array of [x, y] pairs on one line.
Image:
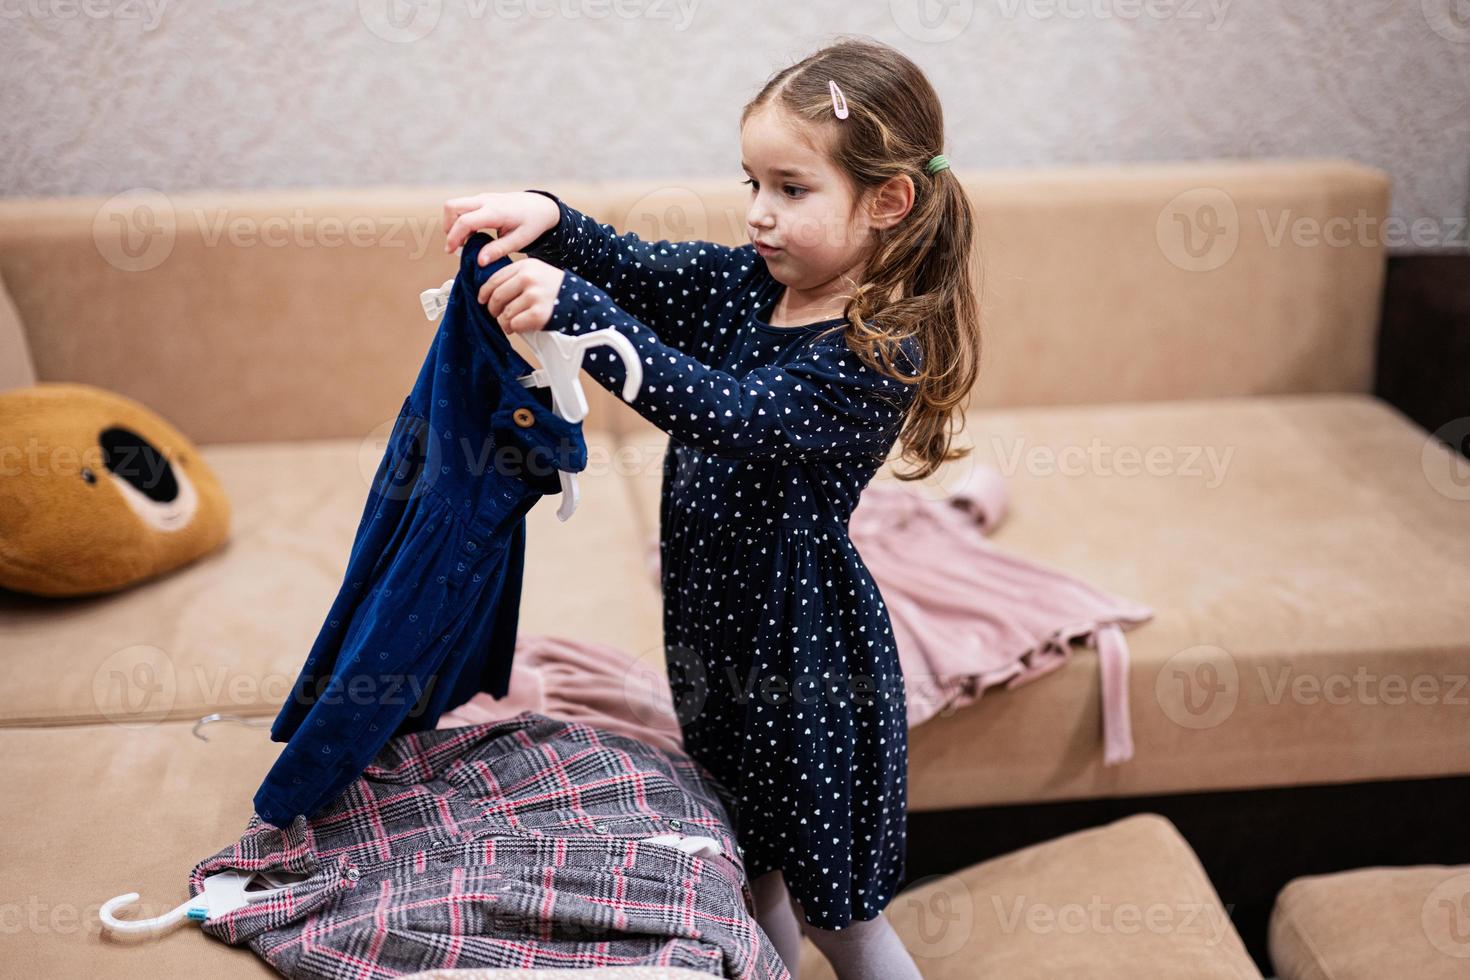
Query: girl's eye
[[790, 189]]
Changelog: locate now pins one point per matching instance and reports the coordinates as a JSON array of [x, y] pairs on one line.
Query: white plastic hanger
[[561, 365], [705, 847], [223, 892]]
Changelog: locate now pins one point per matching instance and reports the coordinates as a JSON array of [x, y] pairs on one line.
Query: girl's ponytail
[[927, 264]]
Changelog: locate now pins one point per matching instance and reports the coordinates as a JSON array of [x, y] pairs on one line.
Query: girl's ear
[[891, 201]]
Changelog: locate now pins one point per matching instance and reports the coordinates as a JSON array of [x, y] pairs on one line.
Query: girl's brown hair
[[918, 281]]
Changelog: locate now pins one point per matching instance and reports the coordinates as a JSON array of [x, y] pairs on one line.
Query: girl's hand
[[517, 219], [521, 295]]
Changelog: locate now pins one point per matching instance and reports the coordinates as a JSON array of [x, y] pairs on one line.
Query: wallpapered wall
[[98, 96]]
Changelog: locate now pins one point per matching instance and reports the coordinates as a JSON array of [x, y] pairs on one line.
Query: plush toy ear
[[109, 494]]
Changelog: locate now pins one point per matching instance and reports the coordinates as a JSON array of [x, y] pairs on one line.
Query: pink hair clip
[[839, 101]]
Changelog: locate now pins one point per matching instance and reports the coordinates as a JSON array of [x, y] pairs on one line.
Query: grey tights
[[868, 950]]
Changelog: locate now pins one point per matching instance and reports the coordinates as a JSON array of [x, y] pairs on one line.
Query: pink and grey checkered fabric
[[516, 843]]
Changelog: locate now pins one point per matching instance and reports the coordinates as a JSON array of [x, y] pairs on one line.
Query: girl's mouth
[[764, 250]]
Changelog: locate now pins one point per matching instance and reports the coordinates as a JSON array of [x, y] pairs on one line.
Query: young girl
[[784, 371]]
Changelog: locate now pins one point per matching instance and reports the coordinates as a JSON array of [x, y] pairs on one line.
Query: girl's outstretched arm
[[669, 286], [826, 404]]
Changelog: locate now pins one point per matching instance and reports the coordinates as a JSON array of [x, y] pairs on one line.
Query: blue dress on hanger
[[774, 432], [427, 612]]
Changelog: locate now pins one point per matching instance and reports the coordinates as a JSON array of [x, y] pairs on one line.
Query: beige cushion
[[230, 632], [1118, 902], [95, 811], [1373, 923], [1327, 546], [242, 316], [1090, 290]]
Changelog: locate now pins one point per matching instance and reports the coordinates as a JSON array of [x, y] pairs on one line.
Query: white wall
[[97, 96]]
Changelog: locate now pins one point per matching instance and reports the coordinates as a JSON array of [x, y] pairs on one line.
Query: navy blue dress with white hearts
[[781, 656]]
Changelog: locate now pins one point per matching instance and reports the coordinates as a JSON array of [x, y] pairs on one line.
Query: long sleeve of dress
[[666, 285], [825, 404]]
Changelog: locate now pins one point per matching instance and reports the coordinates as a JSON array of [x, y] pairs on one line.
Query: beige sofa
[[1373, 922], [1179, 355]]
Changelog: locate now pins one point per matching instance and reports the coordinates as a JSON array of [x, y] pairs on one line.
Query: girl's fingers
[[451, 211], [503, 245], [456, 206], [506, 317], [518, 323], [470, 222], [462, 227], [503, 286]]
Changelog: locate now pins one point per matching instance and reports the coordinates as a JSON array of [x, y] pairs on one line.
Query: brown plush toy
[[97, 492]]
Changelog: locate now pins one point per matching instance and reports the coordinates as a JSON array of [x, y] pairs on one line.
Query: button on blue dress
[[427, 612], [780, 651]]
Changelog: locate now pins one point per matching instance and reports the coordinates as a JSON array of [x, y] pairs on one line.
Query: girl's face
[[801, 215]]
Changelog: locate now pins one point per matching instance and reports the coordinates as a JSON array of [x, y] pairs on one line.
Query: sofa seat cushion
[[1307, 561], [230, 632], [94, 811], [1373, 923], [1125, 900]]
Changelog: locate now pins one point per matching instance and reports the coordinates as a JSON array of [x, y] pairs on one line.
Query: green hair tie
[[937, 163]]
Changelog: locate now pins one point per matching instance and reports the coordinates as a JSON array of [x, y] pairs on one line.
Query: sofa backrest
[[293, 314], [16, 369]]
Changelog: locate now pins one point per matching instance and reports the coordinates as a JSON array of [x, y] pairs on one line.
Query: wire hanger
[[217, 717]]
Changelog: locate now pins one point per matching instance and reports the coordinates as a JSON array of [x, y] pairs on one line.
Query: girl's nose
[[759, 218]]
